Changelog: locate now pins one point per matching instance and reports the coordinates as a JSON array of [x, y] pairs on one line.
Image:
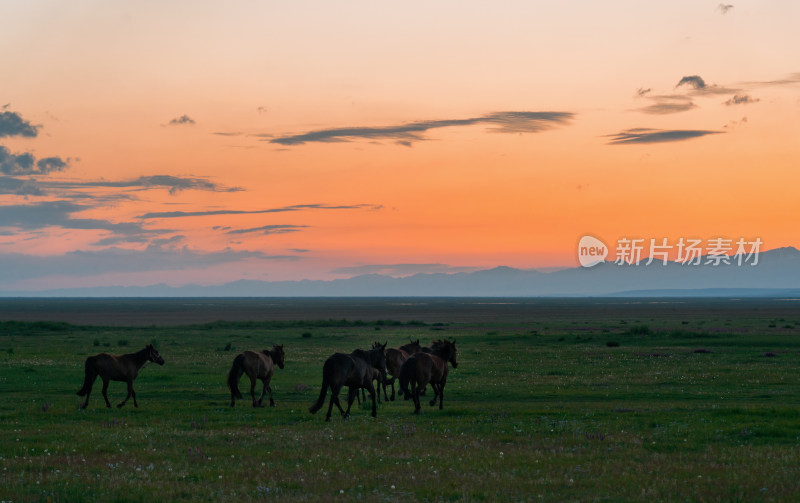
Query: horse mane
[[440, 346]]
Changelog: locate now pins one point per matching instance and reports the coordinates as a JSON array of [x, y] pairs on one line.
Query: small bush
[[612, 344], [96, 342], [307, 335], [640, 330], [122, 342]]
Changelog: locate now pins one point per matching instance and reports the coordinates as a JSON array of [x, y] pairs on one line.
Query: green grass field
[[562, 405]]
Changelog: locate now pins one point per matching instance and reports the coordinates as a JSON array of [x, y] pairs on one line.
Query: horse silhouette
[[116, 368], [394, 360], [353, 370], [428, 367], [256, 366]]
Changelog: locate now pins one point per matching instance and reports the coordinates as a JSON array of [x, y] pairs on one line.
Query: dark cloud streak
[[503, 122], [298, 207], [645, 135], [270, 229], [741, 99]]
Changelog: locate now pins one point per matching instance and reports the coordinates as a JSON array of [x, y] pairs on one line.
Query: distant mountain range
[[777, 274]]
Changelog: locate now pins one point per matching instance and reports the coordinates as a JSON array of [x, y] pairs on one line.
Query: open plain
[[553, 400]]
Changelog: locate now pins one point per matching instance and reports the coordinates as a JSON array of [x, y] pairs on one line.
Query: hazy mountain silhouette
[[776, 274]]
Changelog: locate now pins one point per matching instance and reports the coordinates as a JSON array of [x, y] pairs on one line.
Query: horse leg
[[415, 395], [334, 400], [372, 394], [352, 393], [269, 389], [88, 392], [391, 382], [383, 387], [105, 392], [263, 392], [441, 393], [378, 388], [435, 388], [253, 392], [130, 393]]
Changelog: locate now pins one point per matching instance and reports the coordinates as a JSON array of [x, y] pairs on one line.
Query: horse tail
[[233, 376], [321, 400], [406, 372], [90, 374]]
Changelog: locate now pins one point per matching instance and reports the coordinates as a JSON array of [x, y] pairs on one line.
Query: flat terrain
[[553, 400]]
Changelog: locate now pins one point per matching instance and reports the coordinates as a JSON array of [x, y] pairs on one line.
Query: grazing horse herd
[[412, 365]]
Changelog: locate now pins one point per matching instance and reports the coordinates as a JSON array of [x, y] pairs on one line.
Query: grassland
[[575, 401]]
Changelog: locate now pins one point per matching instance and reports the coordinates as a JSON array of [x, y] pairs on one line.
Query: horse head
[[378, 356], [452, 358], [447, 350], [153, 355], [278, 355]]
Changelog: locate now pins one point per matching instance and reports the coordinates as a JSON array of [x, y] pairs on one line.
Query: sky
[[207, 142]]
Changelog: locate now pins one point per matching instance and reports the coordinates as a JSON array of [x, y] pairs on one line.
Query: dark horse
[[116, 368], [394, 360], [423, 368], [353, 370], [256, 366]]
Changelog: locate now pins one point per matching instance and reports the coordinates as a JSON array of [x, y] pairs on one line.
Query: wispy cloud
[[668, 104], [20, 267], [174, 184], [61, 214], [646, 135], [699, 86], [26, 163], [693, 81], [181, 121], [500, 122], [269, 229], [792, 79], [401, 269], [12, 124], [297, 207], [724, 8], [76, 189], [741, 99]]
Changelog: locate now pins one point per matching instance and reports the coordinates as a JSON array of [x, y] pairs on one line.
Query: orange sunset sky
[[205, 142]]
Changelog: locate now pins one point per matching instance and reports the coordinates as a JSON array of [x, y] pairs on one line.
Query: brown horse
[[256, 366], [394, 360], [353, 370], [376, 376], [423, 368], [116, 368]]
